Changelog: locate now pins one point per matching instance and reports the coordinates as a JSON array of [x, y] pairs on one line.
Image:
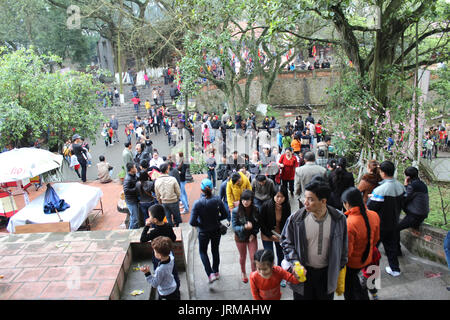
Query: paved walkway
[[420, 278], [440, 166]]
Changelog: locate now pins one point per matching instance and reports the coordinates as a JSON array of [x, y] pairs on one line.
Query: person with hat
[[206, 215], [81, 154]]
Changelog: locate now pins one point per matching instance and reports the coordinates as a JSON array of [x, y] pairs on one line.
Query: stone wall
[[427, 242], [290, 88]]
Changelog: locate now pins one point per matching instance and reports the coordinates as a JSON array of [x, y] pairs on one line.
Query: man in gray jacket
[[316, 236], [305, 173]]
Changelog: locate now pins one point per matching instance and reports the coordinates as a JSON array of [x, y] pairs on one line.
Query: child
[[265, 281], [160, 227], [75, 164], [163, 278]]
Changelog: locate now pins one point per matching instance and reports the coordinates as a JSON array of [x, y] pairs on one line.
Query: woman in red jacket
[[363, 227], [288, 162]]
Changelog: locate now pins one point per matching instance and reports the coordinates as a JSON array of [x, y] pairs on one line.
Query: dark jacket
[[387, 200], [221, 172], [267, 217], [294, 244], [164, 230], [80, 153], [337, 189], [416, 199], [182, 167], [130, 190], [215, 124], [114, 123], [238, 221], [176, 174], [142, 187], [141, 156], [206, 214]]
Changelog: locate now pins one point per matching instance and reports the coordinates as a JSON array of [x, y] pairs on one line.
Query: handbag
[[222, 228]]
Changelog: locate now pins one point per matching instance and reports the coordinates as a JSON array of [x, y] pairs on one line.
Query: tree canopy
[[37, 104]]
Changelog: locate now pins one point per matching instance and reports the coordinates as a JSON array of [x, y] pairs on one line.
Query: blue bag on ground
[[52, 201]]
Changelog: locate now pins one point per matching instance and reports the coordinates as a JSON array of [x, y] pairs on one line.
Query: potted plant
[[122, 175]]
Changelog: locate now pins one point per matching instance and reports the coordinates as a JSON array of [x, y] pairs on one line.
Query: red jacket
[[357, 236], [288, 171], [269, 289]]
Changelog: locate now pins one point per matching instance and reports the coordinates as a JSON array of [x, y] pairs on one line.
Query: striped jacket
[[387, 200]]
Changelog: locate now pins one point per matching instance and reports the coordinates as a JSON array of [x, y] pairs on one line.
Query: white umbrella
[[25, 163]]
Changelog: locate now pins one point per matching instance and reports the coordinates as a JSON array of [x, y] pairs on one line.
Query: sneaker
[[283, 283], [212, 278], [392, 273], [217, 275]]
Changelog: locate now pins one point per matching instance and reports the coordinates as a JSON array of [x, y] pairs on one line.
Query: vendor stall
[[82, 199]]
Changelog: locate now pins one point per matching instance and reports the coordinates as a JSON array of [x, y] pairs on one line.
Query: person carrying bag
[[206, 215]]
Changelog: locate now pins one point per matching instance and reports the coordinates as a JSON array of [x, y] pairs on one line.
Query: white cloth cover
[[81, 198]]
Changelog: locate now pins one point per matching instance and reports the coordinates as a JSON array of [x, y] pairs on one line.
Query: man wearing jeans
[[182, 168], [131, 195], [115, 126], [168, 194]]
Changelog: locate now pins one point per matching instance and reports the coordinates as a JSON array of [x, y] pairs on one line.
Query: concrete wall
[[290, 88], [426, 242]]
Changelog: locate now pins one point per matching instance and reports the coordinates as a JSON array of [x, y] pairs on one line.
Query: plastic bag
[[340, 289]]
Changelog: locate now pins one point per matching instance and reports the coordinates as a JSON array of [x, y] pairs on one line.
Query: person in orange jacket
[[296, 144], [363, 227]]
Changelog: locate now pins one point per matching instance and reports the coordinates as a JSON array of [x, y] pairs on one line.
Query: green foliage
[[442, 87], [197, 164], [272, 112], [122, 173], [358, 121], [38, 104], [26, 23], [435, 217]]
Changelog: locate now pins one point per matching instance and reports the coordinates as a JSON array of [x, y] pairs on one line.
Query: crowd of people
[[338, 225], [435, 139]]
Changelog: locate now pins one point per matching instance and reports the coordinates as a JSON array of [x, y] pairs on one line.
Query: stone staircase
[[125, 113]]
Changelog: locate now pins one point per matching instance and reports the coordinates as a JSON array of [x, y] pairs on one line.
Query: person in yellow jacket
[[147, 106], [235, 186]]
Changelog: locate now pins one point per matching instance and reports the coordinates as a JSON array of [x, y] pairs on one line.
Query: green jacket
[[286, 142]]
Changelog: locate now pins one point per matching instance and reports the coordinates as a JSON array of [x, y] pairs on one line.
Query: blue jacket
[[206, 214]]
